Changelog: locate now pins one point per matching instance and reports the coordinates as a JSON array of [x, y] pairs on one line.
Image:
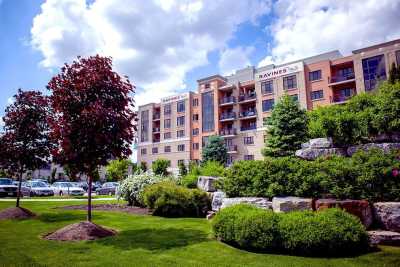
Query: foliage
[[170, 200], [118, 169], [286, 128], [131, 188], [143, 166], [215, 150], [182, 169], [93, 118], [189, 180], [160, 167], [394, 74], [247, 227], [212, 168]]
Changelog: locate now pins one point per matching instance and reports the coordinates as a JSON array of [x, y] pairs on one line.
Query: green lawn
[[143, 241]]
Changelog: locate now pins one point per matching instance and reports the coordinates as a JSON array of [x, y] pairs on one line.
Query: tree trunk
[[19, 189], [89, 209]]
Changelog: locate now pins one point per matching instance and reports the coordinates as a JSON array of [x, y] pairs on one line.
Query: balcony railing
[[248, 127], [246, 97], [227, 116], [248, 113], [156, 116], [156, 130], [341, 78], [225, 132], [231, 148], [227, 100], [157, 140]]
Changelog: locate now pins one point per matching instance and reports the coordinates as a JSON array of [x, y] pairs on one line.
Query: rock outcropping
[[207, 183], [387, 215], [286, 204], [217, 199], [256, 201], [380, 237], [319, 147], [386, 147]]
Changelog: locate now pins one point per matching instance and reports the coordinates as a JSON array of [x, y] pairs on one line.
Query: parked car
[[83, 185], [7, 188], [66, 188], [25, 190], [107, 189], [95, 186], [41, 180], [38, 188]]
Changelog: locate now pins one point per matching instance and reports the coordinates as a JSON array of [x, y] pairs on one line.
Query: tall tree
[[93, 119], [286, 128], [118, 169], [25, 143], [215, 150]]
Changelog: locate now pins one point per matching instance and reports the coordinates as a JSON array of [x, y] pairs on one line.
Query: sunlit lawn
[[143, 241]]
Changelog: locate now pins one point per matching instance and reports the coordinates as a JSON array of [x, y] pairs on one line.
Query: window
[[346, 92], [267, 105], [144, 126], [181, 148], [248, 157], [229, 160], [195, 117], [180, 133], [346, 72], [204, 141], [143, 151], [267, 87], [248, 140], [195, 102], [180, 121], [180, 106], [195, 132], [181, 161], [374, 71], [398, 58], [154, 150], [207, 111], [295, 97], [207, 86], [289, 82], [314, 75], [167, 135], [167, 123], [167, 149], [167, 109], [315, 95], [195, 146]]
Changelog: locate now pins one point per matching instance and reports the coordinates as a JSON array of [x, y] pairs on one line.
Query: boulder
[[286, 204], [217, 199], [389, 138], [386, 147], [321, 143], [381, 237], [256, 201], [387, 215], [313, 153], [207, 183], [359, 208]]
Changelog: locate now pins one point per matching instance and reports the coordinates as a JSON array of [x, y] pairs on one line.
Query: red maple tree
[[25, 143], [93, 118]]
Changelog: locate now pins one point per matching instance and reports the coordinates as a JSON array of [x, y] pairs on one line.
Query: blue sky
[[165, 46]]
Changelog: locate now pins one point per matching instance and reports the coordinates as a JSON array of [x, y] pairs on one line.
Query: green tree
[[118, 169], [286, 128], [160, 167], [143, 166], [215, 150], [182, 169]]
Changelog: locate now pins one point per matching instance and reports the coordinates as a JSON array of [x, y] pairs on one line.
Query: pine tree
[[286, 128], [215, 150]]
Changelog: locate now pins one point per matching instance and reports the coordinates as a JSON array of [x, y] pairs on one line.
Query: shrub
[[212, 168], [247, 226], [189, 180], [160, 167], [118, 169], [169, 200], [331, 232], [182, 169], [131, 188]]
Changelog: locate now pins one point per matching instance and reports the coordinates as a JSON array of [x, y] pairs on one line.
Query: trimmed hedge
[[331, 232], [170, 200]]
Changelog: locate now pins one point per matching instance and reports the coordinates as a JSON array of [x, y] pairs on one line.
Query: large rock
[[313, 153], [286, 204], [256, 201], [217, 199], [380, 237], [387, 215], [207, 183], [386, 147], [359, 208], [318, 143], [386, 138]]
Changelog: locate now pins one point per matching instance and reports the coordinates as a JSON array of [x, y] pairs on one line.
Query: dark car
[[107, 189], [7, 188]]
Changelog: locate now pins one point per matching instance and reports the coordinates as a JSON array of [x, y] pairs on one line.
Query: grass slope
[[143, 241]]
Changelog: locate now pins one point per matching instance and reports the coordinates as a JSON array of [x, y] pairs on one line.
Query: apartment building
[[236, 106]]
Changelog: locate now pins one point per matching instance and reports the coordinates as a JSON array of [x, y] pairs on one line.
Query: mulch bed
[[80, 231], [16, 213], [111, 207]]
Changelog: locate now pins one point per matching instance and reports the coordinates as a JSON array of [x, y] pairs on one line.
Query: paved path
[[52, 199]]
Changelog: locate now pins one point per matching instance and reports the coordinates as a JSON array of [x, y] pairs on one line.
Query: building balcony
[[156, 130], [248, 128], [249, 114], [232, 148], [227, 116], [249, 97], [156, 140], [341, 79], [227, 87], [229, 100], [228, 132], [156, 116]]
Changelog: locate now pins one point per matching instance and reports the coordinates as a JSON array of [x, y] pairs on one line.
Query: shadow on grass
[[64, 216], [155, 239]]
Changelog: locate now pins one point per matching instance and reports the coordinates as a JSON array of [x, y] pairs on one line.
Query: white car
[[66, 188], [38, 188]]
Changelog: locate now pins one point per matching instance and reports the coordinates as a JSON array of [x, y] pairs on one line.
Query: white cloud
[[154, 42], [233, 59], [306, 27]]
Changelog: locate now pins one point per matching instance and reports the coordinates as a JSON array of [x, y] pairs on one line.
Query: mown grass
[[143, 241]]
